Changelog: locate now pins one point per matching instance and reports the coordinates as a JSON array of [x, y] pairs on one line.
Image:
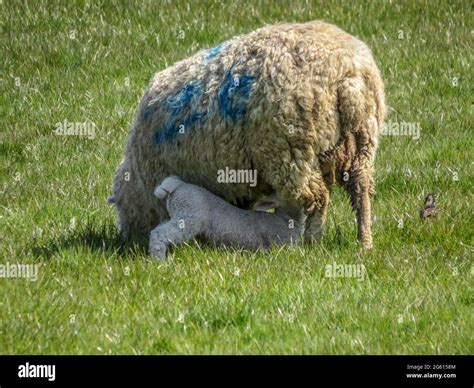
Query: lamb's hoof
[[158, 251]]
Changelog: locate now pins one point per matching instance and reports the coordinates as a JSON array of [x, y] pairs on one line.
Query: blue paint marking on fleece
[[171, 130], [213, 52], [148, 112], [184, 97], [234, 94], [176, 104]]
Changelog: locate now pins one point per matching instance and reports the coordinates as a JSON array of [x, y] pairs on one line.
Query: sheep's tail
[[361, 98], [166, 187]]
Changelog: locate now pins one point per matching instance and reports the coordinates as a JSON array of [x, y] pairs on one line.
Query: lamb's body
[[285, 100], [196, 212]]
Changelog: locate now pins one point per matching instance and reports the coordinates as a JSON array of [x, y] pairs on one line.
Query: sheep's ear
[[262, 206]]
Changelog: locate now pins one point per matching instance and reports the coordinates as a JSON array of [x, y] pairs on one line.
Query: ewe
[[302, 104]]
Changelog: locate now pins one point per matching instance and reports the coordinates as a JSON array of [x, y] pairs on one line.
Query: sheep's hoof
[[367, 244], [158, 251], [312, 239], [313, 236], [314, 228]]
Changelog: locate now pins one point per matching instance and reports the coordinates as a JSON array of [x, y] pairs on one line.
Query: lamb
[[196, 212], [300, 104]]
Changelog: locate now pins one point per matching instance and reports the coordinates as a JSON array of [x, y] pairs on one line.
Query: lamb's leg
[[166, 234]]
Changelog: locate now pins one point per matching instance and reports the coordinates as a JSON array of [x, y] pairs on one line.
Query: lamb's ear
[[264, 205]]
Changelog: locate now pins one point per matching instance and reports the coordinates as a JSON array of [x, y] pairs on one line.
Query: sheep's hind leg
[[359, 184], [360, 189], [164, 235]]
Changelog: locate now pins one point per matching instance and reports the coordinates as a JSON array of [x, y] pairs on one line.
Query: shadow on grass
[[336, 239], [102, 239], [105, 239]]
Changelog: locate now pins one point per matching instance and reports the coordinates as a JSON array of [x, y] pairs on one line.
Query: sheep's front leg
[[302, 184], [316, 205], [312, 196], [165, 235]]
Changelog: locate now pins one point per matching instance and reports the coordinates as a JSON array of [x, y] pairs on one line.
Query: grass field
[[91, 61]]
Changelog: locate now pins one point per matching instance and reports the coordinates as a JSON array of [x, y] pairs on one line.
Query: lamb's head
[[282, 207]]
